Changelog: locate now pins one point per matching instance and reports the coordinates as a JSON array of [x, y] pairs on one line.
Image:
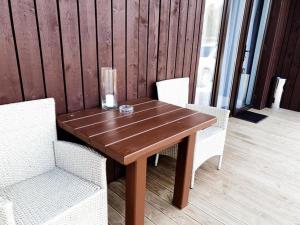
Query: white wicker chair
[[43, 180], [209, 142]]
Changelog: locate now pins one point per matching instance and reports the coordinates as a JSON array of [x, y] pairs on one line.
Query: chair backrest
[[27, 132], [222, 115], [174, 91]]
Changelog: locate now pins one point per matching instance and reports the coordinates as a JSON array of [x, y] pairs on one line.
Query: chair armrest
[[81, 161], [6, 212], [222, 115]]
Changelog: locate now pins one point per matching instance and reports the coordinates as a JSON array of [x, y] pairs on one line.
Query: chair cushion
[[41, 198], [209, 132]]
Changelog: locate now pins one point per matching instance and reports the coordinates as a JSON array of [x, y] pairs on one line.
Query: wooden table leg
[[135, 192], [184, 171]]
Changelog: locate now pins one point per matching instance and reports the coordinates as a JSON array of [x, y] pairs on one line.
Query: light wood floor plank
[[259, 182]]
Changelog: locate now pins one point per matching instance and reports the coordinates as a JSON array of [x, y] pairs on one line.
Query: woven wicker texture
[[43, 198], [221, 114], [45, 181], [171, 151], [209, 142], [210, 138], [6, 212], [81, 161], [27, 130]]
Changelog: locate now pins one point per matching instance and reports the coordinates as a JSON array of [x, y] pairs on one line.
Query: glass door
[[234, 27], [252, 51], [208, 52], [233, 33]]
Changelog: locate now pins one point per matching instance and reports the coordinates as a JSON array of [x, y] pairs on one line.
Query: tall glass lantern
[[109, 88]]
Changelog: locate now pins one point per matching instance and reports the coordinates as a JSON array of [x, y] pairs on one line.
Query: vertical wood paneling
[[59, 46], [293, 75], [51, 51], [104, 31], [189, 37], [10, 90], [163, 40], [290, 66], [152, 45], [295, 98], [89, 52], [173, 28], [119, 45], [104, 34], [71, 54], [286, 52], [132, 48], [181, 37], [283, 64], [278, 40], [196, 48], [143, 48], [270, 51], [292, 41], [24, 19]]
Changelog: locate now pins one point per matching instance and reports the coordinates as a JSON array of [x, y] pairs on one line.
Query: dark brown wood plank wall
[[89, 52], [132, 16], [163, 40], [11, 88], [181, 37], [173, 28], [27, 42], [51, 52], [69, 23], [290, 55], [281, 55], [143, 48], [153, 33], [56, 48], [119, 45]]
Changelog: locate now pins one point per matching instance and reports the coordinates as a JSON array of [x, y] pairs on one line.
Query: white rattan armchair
[[43, 180], [209, 142]]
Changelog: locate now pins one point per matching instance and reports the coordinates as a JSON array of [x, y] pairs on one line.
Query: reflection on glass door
[[235, 21], [252, 52], [208, 52]]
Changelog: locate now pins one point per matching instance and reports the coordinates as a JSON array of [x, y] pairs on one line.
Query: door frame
[[240, 55], [240, 59], [220, 52]]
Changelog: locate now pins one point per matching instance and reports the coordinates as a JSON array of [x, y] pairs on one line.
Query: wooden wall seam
[[281, 55], [183, 19], [143, 47], [80, 54], [172, 39], [62, 57], [9, 63], [56, 48], [28, 48], [40, 47]]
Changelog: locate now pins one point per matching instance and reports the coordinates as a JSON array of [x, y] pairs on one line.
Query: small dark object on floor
[[251, 116]]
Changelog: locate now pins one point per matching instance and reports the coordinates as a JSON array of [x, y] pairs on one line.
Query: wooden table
[[131, 139]]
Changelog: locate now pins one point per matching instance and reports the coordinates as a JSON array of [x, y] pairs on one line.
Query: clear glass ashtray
[[126, 109]]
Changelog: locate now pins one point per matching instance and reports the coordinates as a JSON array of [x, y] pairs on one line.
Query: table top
[[153, 126]]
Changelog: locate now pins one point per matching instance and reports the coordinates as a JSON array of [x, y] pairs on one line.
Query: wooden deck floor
[[259, 182]]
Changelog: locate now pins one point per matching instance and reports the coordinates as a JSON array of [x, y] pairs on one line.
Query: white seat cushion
[[208, 133], [47, 196]]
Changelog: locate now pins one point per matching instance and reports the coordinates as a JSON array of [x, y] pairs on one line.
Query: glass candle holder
[[109, 88]]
